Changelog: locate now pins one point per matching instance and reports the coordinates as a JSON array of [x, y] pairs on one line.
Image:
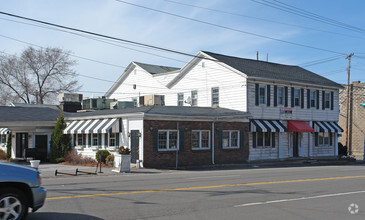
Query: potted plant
[[123, 160]]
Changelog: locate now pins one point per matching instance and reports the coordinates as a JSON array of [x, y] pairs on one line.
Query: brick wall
[[188, 156]]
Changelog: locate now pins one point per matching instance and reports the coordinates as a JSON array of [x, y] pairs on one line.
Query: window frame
[[168, 136], [80, 139], [297, 97], [280, 96], [3, 139], [323, 139], [112, 139], [262, 96], [180, 99], [200, 140], [263, 139], [313, 99], [194, 98], [327, 100], [230, 139], [94, 136], [215, 96]]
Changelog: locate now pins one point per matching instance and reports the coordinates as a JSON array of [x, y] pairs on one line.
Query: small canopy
[[299, 126], [326, 126], [259, 125], [4, 131], [93, 126]]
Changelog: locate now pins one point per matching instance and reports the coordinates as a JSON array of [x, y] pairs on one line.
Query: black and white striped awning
[[326, 126], [4, 131], [259, 125], [93, 126]]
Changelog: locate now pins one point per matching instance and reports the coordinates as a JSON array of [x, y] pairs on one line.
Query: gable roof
[[171, 111], [268, 70], [29, 114], [149, 68], [156, 69]]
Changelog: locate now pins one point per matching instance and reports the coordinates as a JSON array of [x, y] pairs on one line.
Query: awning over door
[[299, 126], [93, 126], [258, 125], [4, 131], [326, 126]]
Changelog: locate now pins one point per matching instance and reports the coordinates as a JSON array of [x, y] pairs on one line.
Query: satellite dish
[[188, 100]]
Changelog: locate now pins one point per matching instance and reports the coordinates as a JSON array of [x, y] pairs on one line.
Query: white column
[[336, 143], [310, 141]]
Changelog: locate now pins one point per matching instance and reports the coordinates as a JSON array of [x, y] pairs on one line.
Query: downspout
[[178, 146], [213, 142]]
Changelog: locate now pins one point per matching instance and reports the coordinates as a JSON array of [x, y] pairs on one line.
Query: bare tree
[[37, 74]]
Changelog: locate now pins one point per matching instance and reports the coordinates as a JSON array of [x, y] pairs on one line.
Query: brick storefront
[[192, 157]]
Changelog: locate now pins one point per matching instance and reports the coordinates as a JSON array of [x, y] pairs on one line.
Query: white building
[[294, 111]]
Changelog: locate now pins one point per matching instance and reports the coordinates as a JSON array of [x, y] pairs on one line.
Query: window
[[180, 99], [280, 96], [230, 139], [194, 98], [167, 140], [313, 98], [112, 139], [327, 100], [296, 97], [134, 100], [200, 139], [95, 139], [322, 139], [262, 95], [79, 140], [263, 139], [3, 139], [215, 96]]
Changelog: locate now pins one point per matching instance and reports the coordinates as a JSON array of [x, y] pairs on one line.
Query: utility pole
[[348, 105]]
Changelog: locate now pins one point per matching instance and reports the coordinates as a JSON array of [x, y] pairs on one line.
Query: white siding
[[232, 86]]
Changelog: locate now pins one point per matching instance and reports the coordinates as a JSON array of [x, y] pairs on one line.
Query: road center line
[[208, 177], [297, 199], [204, 187]]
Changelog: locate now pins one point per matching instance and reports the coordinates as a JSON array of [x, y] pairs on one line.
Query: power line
[[261, 19], [320, 61], [232, 29]]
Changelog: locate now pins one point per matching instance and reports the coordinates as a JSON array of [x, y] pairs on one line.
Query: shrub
[[60, 160], [60, 143], [342, 150], [101, 155], [2, 155], [110, 160], [123, 150], [77, 159]]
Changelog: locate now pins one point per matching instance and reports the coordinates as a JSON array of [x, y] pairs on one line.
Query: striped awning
[[93, 126], [259, 125], [4, 131], [326, 126]]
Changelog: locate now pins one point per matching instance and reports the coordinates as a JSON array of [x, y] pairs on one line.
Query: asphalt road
[[323, 192]]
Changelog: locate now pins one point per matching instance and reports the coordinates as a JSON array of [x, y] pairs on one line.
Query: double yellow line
[[204, 187]]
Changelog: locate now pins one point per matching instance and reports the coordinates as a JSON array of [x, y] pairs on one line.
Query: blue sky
[[117, 19]]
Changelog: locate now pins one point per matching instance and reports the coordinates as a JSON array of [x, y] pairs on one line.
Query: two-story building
[[294, 111]]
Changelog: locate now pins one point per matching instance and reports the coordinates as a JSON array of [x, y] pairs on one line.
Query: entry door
[[134, 145], [295, 144], [41, 142], [21, 143]]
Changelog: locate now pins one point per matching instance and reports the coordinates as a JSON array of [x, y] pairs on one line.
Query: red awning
[[299, 126]]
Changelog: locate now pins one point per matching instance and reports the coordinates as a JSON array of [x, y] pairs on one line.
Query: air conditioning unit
[[149, 100], [121, 105]]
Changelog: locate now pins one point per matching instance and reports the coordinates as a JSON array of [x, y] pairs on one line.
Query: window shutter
[[286, 96], [84, 139], [106, 139], [292, 97], [99, 140], [275, 95], [308, 98], [317, 104], [242, 139], [254, 139], [256, 94], [330, 137], [332, 100], [117, 140], [268, 94], [273, 140], [302, 98], [323, 100], [75, 139], [155, 140], [181, 140], [316, 139], [220, 144]]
